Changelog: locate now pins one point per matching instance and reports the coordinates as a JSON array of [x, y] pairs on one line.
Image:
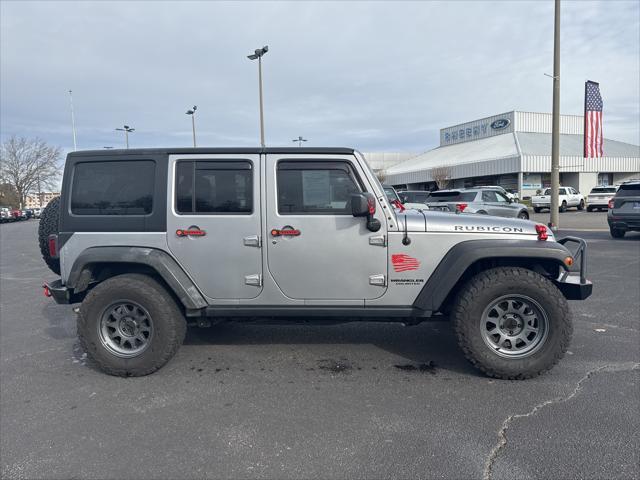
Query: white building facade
[[513, 150]]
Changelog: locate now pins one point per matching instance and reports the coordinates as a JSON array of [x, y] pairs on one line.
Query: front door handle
[[252, 241]]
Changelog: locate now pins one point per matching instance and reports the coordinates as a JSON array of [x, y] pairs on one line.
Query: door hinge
[[379, 280], [378, 240], [252, 241], [255, 280]]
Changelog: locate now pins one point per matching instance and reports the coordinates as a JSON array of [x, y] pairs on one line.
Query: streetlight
[[299, 140], [127, 129], [257, 54], [192, 112]]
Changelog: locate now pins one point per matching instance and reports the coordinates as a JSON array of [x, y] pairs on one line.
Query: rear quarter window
[[113, 188]]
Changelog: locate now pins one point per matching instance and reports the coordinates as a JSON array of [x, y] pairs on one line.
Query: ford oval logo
[[500, 123]]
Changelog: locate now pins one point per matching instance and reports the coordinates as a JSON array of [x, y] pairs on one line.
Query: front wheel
[[523, 215], [581, 205], [129, 325], [512, 323]]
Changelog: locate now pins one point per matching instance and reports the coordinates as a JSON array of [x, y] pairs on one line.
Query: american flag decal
[[402, 262], [592, 120]]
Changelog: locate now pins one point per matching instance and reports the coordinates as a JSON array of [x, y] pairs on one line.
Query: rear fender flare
[[159, 261]]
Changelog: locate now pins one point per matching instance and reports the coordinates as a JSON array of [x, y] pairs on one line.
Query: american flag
[[592, 120], [402, 263]]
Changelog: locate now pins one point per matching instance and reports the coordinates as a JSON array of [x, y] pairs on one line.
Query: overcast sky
[[378, 76]]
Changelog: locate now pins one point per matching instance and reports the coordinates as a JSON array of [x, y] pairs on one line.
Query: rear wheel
[[523, 215], [563, 206], [537, 209], [617, 232], [129, 325], [48, 226], [512, 323], [581, 205]]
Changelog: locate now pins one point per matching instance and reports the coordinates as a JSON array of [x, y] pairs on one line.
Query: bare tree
[[441, 175], [382, 175], [28, 165]]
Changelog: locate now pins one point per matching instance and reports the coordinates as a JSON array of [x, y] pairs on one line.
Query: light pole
[[127, 129], [258, 54], [554, 219], [73, 121], [192, 112], [299, 140]]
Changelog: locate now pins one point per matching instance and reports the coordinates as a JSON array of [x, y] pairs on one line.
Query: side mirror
[[364, 205]]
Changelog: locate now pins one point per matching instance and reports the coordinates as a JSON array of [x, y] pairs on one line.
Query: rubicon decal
[[487, 228], [403, 263]]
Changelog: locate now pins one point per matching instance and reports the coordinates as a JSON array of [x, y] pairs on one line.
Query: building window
[[309, 188], [113, 188], [214, 187]]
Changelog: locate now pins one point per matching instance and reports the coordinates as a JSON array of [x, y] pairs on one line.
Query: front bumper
[[60, 293], [574, 285]]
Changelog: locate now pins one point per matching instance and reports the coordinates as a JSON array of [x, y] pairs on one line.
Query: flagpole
[[584, 120], [555, 124]]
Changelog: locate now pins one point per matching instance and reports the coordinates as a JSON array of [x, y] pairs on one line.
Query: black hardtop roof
[[212, 150]]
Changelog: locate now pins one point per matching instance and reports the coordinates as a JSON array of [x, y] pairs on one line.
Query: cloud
[[372, 75]]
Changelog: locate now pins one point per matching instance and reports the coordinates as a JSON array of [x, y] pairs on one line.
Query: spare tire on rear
[[49, 225]]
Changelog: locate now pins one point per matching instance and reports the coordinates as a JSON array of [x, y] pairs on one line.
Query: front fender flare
[[464, 254]]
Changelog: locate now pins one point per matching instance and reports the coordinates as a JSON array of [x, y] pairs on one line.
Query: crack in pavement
[[502, 433]]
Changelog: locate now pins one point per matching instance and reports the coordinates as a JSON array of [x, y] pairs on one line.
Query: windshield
[[452, 197]]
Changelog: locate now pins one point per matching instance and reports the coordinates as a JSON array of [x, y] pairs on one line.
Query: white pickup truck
[[569, 197]]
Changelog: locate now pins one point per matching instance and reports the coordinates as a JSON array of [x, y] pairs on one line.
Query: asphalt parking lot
[[355, 400]]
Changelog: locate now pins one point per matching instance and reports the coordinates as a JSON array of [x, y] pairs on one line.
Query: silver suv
[[484, 201], [150, 241]]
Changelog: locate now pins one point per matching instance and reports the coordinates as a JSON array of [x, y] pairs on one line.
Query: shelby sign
[[486, 127]]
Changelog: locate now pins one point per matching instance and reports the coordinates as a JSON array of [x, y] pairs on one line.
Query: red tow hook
[[47, 292]]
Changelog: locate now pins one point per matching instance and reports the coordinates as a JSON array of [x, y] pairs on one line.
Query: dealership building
[[513, 150]]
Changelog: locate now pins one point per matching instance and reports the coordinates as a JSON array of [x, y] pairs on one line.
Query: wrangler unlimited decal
[[481, 228]]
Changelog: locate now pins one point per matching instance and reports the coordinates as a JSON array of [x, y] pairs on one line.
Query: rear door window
[[214, 187], [113, 188]]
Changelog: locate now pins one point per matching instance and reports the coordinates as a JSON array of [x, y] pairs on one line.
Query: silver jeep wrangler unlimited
[[150, 240]]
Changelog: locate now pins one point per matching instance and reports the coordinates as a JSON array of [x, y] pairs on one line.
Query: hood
[[433, 221]]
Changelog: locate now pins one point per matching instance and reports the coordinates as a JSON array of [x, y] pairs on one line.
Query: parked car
[[29, 213], [483, 201], [624, 210], [5, 214], [509, 194], [16, 214], [568, 197], [414, 198], [598, 198], [301, 233], [37, 212]]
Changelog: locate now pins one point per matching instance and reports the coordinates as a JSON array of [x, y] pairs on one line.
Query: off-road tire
[[169, 325], [581, 205], [617, 232], [523, 215], [49, 225], [487, 286], [563, 206], [537, 210]]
